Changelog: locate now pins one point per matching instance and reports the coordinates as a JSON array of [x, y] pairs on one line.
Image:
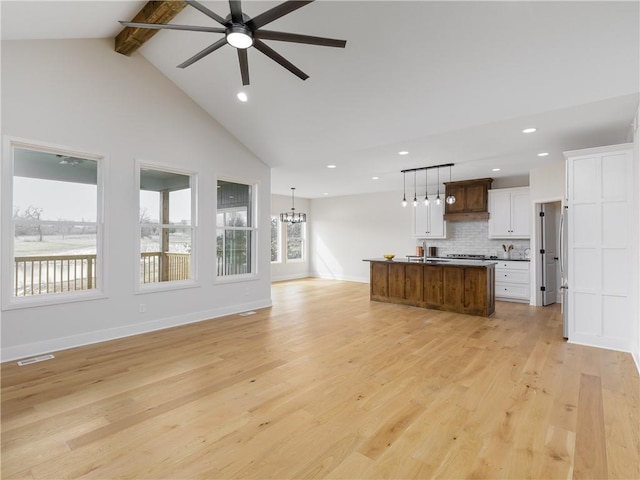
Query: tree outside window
[[295, 241], [275, 239]]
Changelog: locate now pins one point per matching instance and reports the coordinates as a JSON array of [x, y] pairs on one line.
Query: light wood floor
[[327, 384]]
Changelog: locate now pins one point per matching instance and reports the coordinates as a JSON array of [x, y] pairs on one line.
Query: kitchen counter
[[436, 261], [455, 285]]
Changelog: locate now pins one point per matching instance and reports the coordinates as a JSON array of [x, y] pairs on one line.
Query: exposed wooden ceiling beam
[[131, 39]]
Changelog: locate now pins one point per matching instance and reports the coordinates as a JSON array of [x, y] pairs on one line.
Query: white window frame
[[9, 301], [279, 241], [142, 288], [243, 277]]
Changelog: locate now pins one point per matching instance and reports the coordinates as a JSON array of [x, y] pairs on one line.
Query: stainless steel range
[[467, 256]]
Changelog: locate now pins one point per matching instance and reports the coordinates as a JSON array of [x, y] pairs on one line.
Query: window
[[295, 241], [275, 239], [166, 213], [235, 227], [55, 226]]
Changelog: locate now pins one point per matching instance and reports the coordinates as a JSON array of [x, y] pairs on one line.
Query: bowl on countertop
[[389, 256]]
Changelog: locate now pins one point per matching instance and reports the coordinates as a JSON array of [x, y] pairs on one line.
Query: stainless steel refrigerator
[[564, 271]]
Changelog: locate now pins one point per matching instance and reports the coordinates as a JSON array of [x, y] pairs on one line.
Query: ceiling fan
[[241, 32]]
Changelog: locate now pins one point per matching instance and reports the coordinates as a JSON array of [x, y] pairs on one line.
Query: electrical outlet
[[142, 308]]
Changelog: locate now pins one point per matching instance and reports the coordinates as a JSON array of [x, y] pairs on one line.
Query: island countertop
[[437, 261], [454, 285]]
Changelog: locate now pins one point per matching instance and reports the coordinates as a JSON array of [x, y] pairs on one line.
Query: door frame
[[536, 236]]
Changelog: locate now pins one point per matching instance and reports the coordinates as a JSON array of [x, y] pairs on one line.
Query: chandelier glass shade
[[451, 199]]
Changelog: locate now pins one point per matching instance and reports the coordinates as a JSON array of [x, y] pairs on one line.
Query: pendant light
[[292, 216], [426, 186], [451, 199], [404, 189], [438, 201], [415, 194]]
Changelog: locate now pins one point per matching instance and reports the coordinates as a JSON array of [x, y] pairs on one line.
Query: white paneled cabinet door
[[509, 213], [600, 246], [499, 213], [429, 221], [520, 214]]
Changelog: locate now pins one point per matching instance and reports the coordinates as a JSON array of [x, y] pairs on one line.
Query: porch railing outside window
[[54, 274], [39, 275], [157, 267]]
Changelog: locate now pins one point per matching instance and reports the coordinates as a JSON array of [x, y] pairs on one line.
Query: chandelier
[[292, 216]]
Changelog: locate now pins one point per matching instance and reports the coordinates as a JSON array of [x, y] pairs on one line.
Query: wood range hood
[[472, 200]]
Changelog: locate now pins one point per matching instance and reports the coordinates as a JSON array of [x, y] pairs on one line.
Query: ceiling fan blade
[[206, 11], [204, 53], [275, 56], [244, 65], [275, 13], [167, 26], [296, 38], [236, 11]]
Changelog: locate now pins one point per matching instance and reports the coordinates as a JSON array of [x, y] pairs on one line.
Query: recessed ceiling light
[[403, 152], [326, 193], [529, 130], [242, 96], [495, 169], [543, 154], [375, 178], [331, 166]]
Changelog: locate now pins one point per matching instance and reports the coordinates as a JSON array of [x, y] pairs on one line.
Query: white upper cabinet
[[429, 221], [509, 213]]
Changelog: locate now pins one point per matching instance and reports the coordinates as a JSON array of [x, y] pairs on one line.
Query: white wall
[[289, 270], [346, 230], [83, 95]]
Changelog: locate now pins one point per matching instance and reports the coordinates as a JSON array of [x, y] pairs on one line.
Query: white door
[[550, 257]]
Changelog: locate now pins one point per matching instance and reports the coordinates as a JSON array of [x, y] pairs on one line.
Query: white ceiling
[[447, 81]]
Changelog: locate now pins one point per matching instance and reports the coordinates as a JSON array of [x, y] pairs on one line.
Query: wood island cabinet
[[454, 288]]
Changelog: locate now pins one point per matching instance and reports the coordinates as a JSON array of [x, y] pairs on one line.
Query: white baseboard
[[54, 345], [619, 345], [636, 358], [284, 278], [341, 277]]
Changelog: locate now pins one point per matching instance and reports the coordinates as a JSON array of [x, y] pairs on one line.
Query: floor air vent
[[29, 361]]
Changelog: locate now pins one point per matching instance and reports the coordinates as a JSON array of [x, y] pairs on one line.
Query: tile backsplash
[[473, 238]]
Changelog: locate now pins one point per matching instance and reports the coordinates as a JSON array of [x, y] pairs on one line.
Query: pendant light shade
[[415, 194], [451, 199], [292, 216], [426, 186], [404, 189], [438, 201]]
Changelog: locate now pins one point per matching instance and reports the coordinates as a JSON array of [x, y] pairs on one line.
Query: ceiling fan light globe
[[239, 36]]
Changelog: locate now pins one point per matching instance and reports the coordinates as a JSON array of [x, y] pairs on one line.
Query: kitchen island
[[462, 286]]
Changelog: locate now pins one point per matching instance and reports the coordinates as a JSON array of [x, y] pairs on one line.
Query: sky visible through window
[[78, 202]]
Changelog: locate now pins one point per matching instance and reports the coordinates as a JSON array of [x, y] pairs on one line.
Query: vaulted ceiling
[[447, 81]]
